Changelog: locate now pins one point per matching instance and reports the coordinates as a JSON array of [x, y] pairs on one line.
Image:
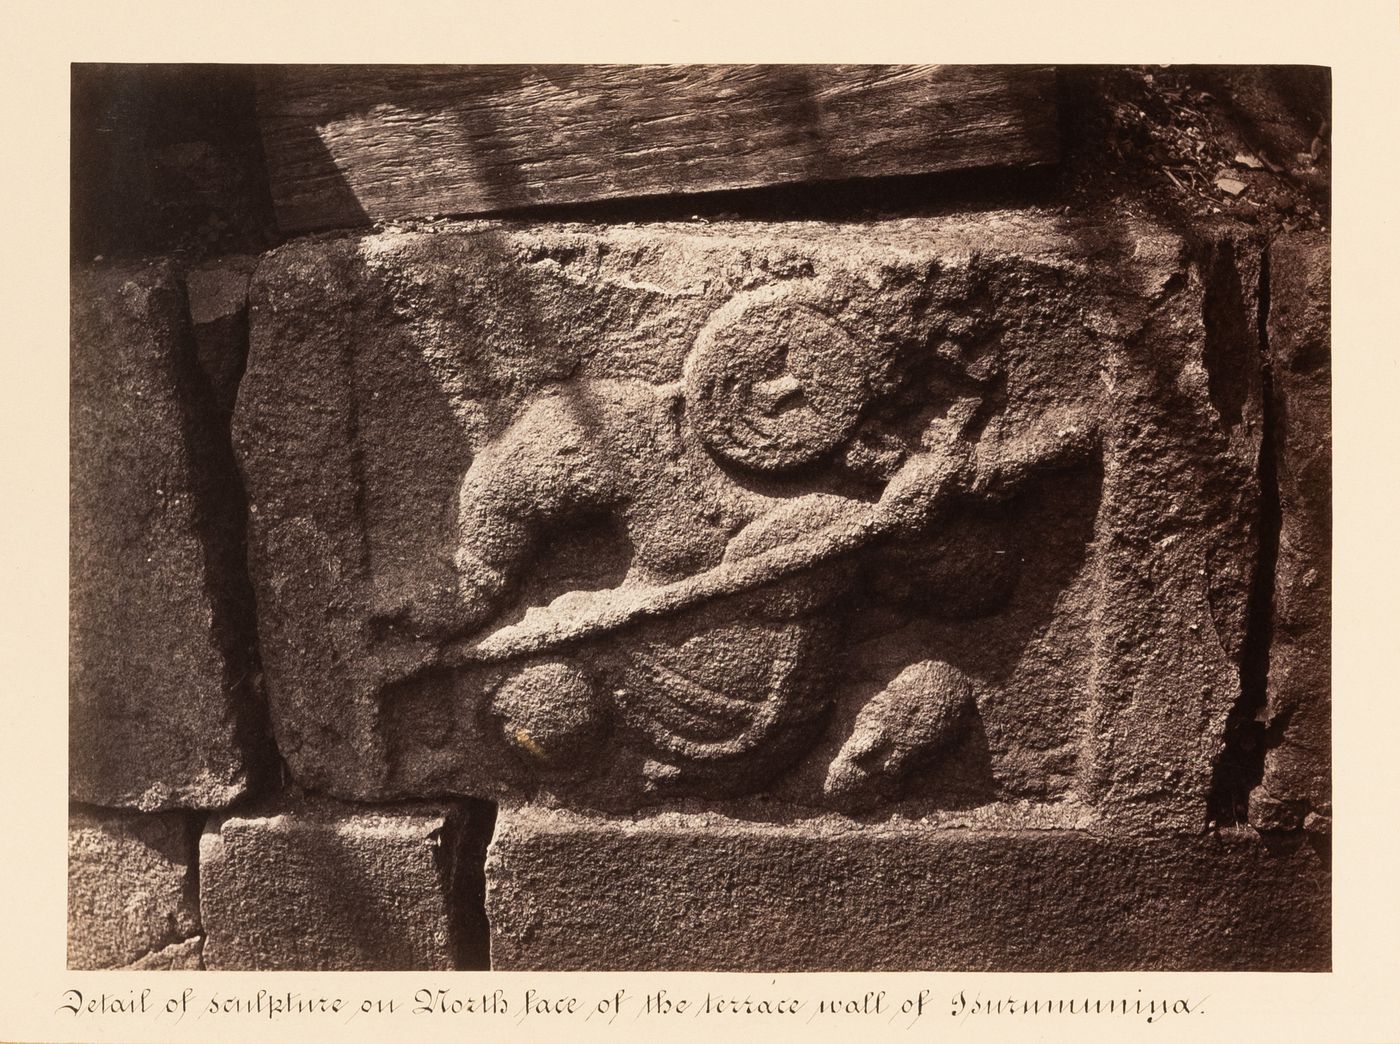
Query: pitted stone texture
[[476, 450], [1297, 766], [131, 888], [704, 893], [323, 886], [154, 682]]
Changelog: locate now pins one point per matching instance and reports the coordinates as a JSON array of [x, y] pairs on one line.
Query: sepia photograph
[[700, 518]]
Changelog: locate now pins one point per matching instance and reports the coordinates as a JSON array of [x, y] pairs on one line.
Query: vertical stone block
[[132, 898], [160, 640], [327, 886], [1297, 719]]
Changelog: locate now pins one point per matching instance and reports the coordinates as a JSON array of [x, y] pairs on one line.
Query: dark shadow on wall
[[166, 159], [473, 824], [841, 200], [1240, 766], [221, 520], [300, 158]]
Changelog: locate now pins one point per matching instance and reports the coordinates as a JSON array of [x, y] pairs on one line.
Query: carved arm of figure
[[926, 706], [1058, 438], [993, 469]]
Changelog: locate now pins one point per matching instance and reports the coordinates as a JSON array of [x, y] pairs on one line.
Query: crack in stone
[[223, 522], [1239, 768]]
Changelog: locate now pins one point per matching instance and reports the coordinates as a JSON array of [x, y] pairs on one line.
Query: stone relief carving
[[873, 518], [891, 578], [745, 498]]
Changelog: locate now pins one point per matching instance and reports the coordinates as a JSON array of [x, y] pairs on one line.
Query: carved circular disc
[[777, 385]]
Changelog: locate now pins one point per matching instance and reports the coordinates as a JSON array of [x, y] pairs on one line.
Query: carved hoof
[[922, 711], [550, 714]]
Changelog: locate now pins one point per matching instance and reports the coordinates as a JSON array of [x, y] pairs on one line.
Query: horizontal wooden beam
[[347, 145]]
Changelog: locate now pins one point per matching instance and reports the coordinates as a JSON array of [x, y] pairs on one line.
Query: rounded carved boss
[[776, 384]]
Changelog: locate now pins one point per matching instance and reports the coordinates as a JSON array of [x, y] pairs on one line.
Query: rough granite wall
[[936, 577]]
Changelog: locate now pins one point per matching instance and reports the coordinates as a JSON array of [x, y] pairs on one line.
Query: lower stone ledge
[[318, 885], [132, 889], [705, 893]]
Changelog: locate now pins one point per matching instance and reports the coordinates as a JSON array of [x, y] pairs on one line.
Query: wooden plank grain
[[347, 145]]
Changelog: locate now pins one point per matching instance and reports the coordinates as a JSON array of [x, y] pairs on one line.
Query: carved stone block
[[929, 514], [324, 886], [158, 651], [1297, 719], [131, 890], [679, 892]]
